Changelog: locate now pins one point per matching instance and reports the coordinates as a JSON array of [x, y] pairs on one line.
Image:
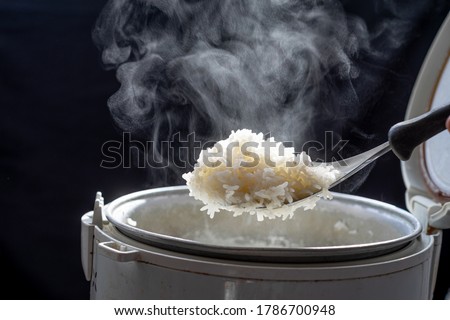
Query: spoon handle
[[406, 135]]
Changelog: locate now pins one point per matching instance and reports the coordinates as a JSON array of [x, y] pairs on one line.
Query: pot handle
[[117, 252]]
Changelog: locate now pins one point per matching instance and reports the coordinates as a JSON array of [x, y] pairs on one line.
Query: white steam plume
[[213, 66]]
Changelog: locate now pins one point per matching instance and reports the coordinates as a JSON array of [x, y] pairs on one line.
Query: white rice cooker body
[[120, 267]]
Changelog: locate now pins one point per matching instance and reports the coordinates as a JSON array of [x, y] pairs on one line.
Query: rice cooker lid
[[427, 173]]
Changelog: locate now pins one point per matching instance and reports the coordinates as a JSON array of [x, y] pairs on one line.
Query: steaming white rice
[[245, 173]]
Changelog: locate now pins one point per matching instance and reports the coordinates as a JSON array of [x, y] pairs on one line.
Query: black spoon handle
[[406, 135]]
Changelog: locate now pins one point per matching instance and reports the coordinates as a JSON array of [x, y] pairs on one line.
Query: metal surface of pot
[[347, 228]]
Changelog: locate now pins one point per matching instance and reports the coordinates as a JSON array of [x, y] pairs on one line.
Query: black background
[[54, 119]]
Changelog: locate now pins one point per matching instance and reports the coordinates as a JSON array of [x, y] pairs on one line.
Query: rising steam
[[214, 66]]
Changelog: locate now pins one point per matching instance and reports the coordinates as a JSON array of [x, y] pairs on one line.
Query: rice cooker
[[158, 244]]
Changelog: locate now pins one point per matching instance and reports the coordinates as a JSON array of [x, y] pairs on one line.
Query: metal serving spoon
[[403, 138]]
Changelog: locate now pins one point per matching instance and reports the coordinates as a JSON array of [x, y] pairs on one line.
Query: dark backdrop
[[54, 119]]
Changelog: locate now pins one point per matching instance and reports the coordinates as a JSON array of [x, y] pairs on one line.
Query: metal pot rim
[[263, 254]]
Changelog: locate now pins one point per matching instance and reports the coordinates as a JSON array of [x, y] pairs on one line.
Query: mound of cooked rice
[[245, 173]]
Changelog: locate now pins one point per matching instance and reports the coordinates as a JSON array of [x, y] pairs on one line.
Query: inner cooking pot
[[344, 228]]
